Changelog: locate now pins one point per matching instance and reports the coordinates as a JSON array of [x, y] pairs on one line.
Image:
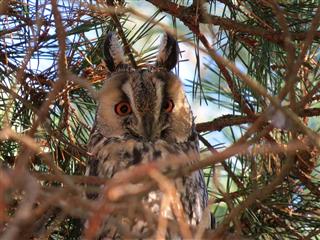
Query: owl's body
[[143, 116]]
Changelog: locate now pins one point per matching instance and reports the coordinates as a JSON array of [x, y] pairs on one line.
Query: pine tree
[[256, 62]]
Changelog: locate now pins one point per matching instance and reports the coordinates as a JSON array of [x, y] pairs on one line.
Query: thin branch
[[258, 195], [232, 120], [187, 15]]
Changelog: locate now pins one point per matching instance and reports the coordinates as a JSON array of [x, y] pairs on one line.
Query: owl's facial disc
[[145, 94], [147, 104]]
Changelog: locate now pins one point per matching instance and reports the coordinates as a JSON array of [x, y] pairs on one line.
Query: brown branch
[[4, 59], [24, 212], [312, 234], [168, 188], [188, 16], [280, 220], [291, 78], [191, 19], [224, 121], [225, 166], [310, 96], [231, 120], [62, 69], [77, 179], [14, 29], [244, 105], [306, 180], [137, 173], [25, 153], [258, 195]]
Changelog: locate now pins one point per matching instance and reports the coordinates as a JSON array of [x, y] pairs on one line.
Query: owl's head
[[146, 104]]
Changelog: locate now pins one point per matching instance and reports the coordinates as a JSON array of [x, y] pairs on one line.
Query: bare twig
[[176, 206]]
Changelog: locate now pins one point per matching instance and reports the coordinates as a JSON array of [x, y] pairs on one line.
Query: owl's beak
[[148, 126]]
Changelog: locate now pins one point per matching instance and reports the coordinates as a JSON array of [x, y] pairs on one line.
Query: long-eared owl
[[143, 116]]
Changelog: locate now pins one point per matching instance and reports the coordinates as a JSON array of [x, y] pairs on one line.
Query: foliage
[[256, 60]]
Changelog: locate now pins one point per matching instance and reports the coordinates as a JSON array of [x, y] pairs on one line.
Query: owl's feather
[[113, 52], [155, 124], [168, 52]]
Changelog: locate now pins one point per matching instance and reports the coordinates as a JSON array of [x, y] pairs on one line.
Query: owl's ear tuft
[[168, 53], [113, 52]]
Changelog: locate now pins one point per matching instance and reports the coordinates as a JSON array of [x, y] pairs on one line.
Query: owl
[[143, 116]]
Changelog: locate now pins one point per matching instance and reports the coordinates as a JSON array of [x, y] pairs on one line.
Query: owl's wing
[[92, 164], [93, 161]]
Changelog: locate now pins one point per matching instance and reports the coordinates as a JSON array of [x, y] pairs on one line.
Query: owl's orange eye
[[168, 106], [123, 108]]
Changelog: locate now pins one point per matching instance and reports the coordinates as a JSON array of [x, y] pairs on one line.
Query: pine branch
[[188, 16], [232, 120]]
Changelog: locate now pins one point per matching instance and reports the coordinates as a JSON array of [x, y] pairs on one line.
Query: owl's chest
[[114, 155], [118, 156]]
